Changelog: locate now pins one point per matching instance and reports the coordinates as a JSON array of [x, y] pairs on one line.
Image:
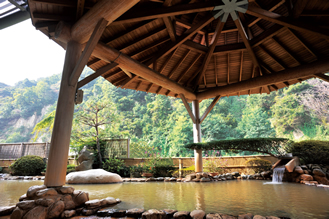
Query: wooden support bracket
[[188, 108], [210, 107]]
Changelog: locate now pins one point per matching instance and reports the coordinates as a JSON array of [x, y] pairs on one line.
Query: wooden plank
[[215, 37], [228, 68], [52, 17], [190, 66], [188, 108], [215, 67], [293, 24], [286, 49], [247, 44], [170, 28], [97, 33], [241, 65], [229, 48], [210, 107], [80, 8], [138, 14], [98, 73], [266, 35], [272, 56], [274, 78]]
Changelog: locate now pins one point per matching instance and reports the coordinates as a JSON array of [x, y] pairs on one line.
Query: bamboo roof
[[213, 48]]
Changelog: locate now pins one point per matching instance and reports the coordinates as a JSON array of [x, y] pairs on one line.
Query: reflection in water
[[229, 197]]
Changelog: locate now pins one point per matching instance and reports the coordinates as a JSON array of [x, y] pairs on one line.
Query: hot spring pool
[[229, 197]]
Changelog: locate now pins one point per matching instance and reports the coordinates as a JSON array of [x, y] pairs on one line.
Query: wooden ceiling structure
[[201, 48], [192, 49]]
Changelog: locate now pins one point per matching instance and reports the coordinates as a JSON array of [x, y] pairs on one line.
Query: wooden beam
[[110, 10], [98, 73], [286, 49], [315, 14], [109, 54], [215, 37], [322, 77], [228, 68], [188, 108], [241, 65], [185, 36], [97, 33], [266, 35], [247, 44], [128, 73], [298, 8], [80, 8], [64, 3], [210, 107], [274, 78], [188, 68], [53, 17], [272, 56], [139, 14], [179, 63], [194, 46], [229, 47], [278, 19]]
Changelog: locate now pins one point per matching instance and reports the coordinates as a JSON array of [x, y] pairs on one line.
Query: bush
[[185, 171], [29, 165], [259, 165], [311, 151], [162, 167], [70, 168], [1, 169], [114, 165]]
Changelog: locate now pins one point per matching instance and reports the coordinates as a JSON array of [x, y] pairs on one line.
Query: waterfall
[[278, 174]]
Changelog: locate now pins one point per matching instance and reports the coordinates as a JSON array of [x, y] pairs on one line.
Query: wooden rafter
[[185, 36], [286, 49], [138, 14], [99, 29], [188, 69], [214, 39], [98, 73], [298, 8], [247, 44], [228, 68], [272, 56], [306, 70], [278, 19], [80, 8], [168, 22], [215, 67], [188, 108], [210, 107], [322, 77]]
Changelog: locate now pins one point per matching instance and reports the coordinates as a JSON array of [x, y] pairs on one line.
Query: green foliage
[[44, 126], [70, 168], [271, 146], [310, 151], [1, 169], [114, 165], [259, 165], [185, 171], [29, 165], [140, 149], [161, 167], [215, 164]]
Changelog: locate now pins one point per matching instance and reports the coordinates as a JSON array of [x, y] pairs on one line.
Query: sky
[[27, 53]]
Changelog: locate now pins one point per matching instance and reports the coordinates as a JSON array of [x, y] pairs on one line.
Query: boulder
[[154, 214], [26, 205], [81, 198], [46, 192], [318, 172], [197, 214], [203, 179], [33, 189], [305, 177], [68, 214], [17, 213], [299, 170], [321, 179], [213, 216], [190, 177], [170, 212], [6, 210], [85, 159], [110, 201], [135, 212], [246, 216], [66, 190], [56, 209], [96, 203], [182, 215], [38, 212], [259, 217], [94, 176]]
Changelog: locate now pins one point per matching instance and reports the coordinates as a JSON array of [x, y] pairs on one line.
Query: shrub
[[259, 165], [114, 165], [1, 169], [311, 151], [185, 171], [70, 168], [215, 165], [29, 165], [162, 167]]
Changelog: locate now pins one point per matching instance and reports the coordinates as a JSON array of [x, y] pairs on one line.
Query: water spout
[[278, 174]]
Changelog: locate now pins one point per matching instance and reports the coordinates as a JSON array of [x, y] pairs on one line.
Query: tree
[[96, 115]]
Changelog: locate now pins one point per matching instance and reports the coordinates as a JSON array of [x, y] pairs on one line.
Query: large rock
[[154, 214], [321, 179], [305, 177], [85, 159], [197, 214], [319, 172], [95, 176], [38, 212], [299, 170], [7, 210]]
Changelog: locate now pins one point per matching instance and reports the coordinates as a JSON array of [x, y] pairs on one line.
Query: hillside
[[161, 123]]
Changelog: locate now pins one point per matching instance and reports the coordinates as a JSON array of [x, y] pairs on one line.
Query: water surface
[[230, 197]]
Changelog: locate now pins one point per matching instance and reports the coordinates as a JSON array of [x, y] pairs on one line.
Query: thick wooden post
[[60, 139], [197, 136]]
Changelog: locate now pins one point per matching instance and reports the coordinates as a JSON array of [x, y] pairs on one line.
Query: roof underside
[[253, 45]]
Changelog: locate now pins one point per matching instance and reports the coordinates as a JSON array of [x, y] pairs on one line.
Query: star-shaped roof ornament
[[230, 7]]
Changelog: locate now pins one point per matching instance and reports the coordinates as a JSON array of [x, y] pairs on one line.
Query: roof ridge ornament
[[230, 7]]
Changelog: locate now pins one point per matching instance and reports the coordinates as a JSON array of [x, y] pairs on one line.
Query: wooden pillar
[[180, 167], [60, 139], [197, 136]]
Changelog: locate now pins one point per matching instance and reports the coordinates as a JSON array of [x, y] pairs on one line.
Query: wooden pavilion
[[189, 49]]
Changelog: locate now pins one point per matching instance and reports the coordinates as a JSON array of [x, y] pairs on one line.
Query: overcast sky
[[27, 53]]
